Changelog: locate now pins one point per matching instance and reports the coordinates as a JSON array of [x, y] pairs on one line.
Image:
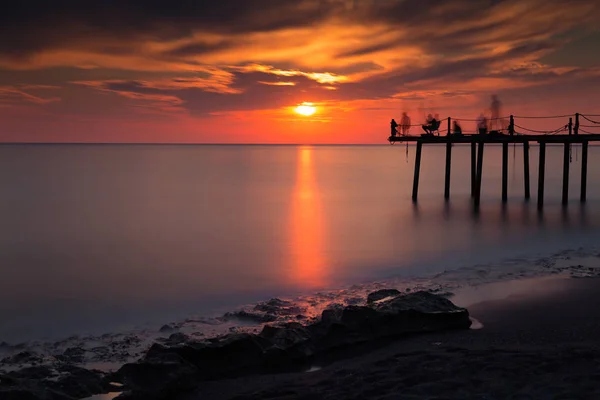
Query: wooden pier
[[478, 143]]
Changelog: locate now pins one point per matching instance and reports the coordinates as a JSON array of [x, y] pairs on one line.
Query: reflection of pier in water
[[306, 225], [478, 142]]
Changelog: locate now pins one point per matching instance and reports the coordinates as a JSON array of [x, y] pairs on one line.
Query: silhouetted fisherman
[[456, 129], [482, 124], [405, 124], [431, 126], [393, 126]]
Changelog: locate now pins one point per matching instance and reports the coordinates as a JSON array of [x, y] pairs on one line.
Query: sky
[[233, 71]]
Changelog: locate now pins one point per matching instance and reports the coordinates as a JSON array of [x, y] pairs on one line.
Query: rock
[[43, 382], [291, 342], [72, 355], [220, 357], [22, 358], [158, 378], [16, 393], [381, 294], [333, 313], [166, 370], [166, 328], [403, 314], [176, 338], [286, 335], [79, 382], [258, 318], [279, 307]]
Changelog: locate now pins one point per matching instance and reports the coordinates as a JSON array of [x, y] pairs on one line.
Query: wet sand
[[541, 342]]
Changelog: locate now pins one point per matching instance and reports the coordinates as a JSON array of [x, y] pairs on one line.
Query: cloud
[[12, 95], [202, 57]]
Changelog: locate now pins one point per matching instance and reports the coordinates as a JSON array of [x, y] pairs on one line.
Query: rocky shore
[[176, 367]]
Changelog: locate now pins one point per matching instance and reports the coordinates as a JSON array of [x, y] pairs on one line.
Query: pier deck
[[477, 146]]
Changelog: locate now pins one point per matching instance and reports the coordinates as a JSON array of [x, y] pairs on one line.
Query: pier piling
[[584, 158], [526, 169], [504, 172], [541, 173], [448, 166], [479, 173], [473, 167], [417, 171], [478, 142], [566, 163]]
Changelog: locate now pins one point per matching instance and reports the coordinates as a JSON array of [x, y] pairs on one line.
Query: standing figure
[[393, 126], [404, 124], [482, 124], [496, 123]]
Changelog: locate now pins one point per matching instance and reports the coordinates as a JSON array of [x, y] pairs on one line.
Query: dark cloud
[[200, 48], [30, 26], [112, 26]]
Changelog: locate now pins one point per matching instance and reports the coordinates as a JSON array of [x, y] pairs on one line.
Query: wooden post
[[449, 125], [570, 125], [566, 163], [417, 171], [479, 173], [526, 169], [541, 171], [504, 172], [511, 126], [584, 157], [576, 123], [473, 168], [448, 164]]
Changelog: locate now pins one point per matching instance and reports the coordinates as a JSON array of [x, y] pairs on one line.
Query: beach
[[538, 344]]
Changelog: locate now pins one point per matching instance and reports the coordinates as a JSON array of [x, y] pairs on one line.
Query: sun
[[306, 109]]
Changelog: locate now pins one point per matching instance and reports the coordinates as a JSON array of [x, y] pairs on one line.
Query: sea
[[106, 242]]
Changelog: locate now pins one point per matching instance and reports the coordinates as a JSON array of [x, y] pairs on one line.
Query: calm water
[[96, 238]]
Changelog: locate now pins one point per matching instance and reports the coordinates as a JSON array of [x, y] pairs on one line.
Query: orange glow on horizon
[[309, 264]]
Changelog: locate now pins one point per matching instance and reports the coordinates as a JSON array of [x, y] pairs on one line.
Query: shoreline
[[542, 324], [463, 286], [532, 345]]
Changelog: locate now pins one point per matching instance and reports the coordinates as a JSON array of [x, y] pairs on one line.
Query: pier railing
[[573, 131]]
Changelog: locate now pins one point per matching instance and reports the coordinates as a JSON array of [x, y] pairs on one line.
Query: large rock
[[402, 314], [167, 370]]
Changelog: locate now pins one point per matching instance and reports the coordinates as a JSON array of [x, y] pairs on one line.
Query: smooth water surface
[[100, 237]]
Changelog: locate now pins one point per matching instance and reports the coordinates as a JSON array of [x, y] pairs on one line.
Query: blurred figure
[[482, 124], [432, 125], [456, 129], [404, 124], [496, 123], [393, 126]]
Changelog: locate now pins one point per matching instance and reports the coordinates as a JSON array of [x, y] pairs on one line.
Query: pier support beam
[[448, 165], [542, 170], [566, 164], [473, 168], [504, 172], [526, 169], [417, 171], [584, 158], [479, 173]]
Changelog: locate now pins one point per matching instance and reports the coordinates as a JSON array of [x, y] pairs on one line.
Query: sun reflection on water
[[307, 238]]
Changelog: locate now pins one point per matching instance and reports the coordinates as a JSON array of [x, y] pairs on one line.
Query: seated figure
[[431, 126]]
